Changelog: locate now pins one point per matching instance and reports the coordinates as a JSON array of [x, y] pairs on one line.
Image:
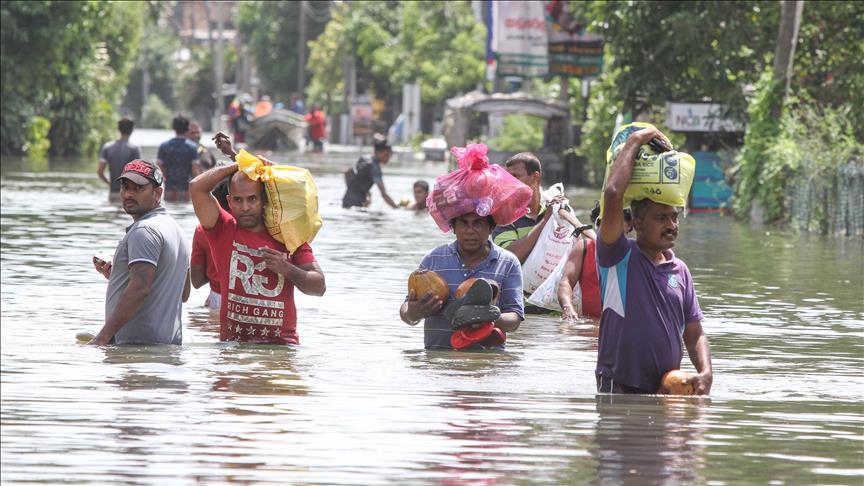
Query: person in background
[[650, 311], [202, 265], [115, 155], [367, 172], [263, 107], [421, 192], [206, 160], [256, 275], [581, 269], [178, 160], [148, 279], [317, 128], [521, 236]]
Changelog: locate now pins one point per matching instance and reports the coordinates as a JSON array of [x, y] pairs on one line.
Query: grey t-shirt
[[117, 154], [156, 239]]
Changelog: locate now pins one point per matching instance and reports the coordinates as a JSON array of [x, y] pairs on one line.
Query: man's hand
[[645, 135], [701, 383], [417, 309], [276, 261], [102, 266], [264, 161], [223, 143], [568, 314]]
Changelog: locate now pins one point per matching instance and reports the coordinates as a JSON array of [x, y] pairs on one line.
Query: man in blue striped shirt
[[471, 255]]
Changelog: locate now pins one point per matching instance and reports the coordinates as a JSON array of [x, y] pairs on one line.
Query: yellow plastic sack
[[291, 213], [665, 178]]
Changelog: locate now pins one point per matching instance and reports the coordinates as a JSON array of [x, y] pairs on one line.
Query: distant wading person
[[148, 280], [115, 155], [366, 173], [178, 159], [256, 275], [649, 301]]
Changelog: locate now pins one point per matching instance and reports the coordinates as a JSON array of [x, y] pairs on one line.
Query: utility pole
[[784, 55], [301, 49], [218, 66]]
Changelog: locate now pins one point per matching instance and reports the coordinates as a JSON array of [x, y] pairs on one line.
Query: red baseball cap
[[141, 172]]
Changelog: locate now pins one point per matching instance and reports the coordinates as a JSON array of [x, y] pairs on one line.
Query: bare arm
[[308, 278], [619, 178], [414, 309], [349, 172], [700, 355], [187, 288], [205, 204], [198, 275], [571, 275], [523, 246], [508, 322], [386, 196], [101, 171], [141, 275]]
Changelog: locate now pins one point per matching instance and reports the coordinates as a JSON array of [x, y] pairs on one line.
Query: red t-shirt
[[203, 255], [589, 280], [257, 303]]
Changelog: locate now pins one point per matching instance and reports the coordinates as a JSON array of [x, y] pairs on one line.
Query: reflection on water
[[361, 402]]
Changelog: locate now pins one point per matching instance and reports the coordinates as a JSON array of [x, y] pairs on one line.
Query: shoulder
[[505, 255], [438, 257]]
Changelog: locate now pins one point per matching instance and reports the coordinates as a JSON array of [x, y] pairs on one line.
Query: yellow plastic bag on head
[[665, 178], [291, 213]]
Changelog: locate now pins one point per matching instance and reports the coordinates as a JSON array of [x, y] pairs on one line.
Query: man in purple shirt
[[649, 302]]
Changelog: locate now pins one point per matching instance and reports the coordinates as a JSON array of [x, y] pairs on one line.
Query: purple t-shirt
[[645, 308]]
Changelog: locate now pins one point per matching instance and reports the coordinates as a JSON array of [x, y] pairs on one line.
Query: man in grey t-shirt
[[115, 155], [148, 280]]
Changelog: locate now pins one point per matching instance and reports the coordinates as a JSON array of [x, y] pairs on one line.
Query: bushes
[[154, 114], [806, 147]]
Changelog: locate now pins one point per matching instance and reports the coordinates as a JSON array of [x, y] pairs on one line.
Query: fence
[[830, 201]]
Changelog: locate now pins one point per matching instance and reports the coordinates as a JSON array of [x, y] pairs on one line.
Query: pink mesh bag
[[479, 187]]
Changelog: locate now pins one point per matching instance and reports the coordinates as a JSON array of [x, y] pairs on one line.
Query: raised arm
[[200, 191], [619, 178]]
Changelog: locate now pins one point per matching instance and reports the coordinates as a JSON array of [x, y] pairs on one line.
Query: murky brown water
[[360, 402]]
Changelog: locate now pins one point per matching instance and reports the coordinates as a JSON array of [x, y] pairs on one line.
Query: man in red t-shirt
[[256, 275], [317, 128]]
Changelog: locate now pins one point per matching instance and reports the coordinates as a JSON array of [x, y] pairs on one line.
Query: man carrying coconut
[[649, 305]]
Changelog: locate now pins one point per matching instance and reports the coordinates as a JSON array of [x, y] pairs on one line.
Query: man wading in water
[[256, 275], [649, 302], [148, 280]]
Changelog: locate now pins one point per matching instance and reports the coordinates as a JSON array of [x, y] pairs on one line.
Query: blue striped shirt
[[499, 265]]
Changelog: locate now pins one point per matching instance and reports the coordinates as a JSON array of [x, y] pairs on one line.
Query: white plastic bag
[[552, 245], [546, 295]]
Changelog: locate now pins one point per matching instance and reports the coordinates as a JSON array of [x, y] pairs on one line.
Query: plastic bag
[[552, 245], [665, 178], [479, 187], [291, 213], [546, 295]]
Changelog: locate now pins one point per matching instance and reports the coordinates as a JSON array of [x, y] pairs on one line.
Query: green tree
[[84, 53], [437, 44], [272, 32]]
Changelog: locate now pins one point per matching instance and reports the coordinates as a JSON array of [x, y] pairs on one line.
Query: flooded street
[[361, 402]]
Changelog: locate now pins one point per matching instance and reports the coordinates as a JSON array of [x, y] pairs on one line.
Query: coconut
[[423, 281], [674, 382]]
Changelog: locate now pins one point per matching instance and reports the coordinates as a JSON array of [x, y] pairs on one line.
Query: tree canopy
[[84, 54]]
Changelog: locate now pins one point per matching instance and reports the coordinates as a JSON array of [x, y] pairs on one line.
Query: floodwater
[[360, 401]]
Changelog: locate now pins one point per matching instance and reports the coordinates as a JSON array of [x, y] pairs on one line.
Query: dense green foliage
[[272, 32], [438, 44], [84, 52], [519, 133]]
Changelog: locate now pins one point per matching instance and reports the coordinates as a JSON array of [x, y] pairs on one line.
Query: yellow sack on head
[[291, 213], [665, 178]]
